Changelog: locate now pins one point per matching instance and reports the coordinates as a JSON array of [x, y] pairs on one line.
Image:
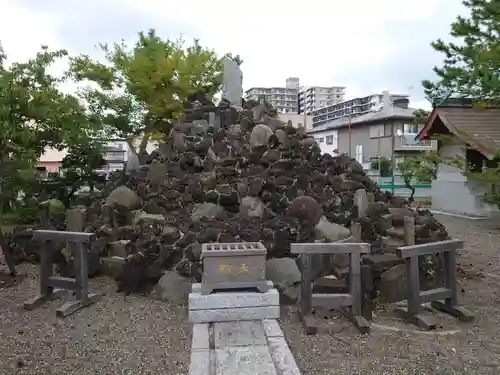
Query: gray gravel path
[[136, 335], [132, 335]]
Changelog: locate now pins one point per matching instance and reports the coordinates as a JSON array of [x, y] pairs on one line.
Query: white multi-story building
[[353, 108], [315, 97], [284, 99]]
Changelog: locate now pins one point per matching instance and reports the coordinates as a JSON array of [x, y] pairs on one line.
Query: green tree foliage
[[79, 167], [471, 66], [236, 58], [471, 69], [35, 114], [383, 165], [420, 116], [142, 89], [422, 168]]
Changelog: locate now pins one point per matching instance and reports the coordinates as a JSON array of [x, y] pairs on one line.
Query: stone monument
[[232, 87], [133, 163]]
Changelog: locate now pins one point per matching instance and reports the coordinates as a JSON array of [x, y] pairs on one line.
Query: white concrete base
[[235, 314], [229, 306], [238, 348]]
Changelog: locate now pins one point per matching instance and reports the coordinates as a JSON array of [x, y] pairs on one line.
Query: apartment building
[[315, 97], [284, 99], [387, 132], [352, 108]]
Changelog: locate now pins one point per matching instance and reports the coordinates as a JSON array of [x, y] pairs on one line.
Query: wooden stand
[[349, 303], [443, 299], [54, 286]]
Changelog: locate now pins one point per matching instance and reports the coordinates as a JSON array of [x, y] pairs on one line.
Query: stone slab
[[251, 360], [272, 328], [201, 337], [240, 333], [200, 362], [227, 315], [282, 356], [196, 287], [112, 266], [231, 300]]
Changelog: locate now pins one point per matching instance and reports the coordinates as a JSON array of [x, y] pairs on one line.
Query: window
[[321, 140], [359, 153], [410, 129], [388, 130], [376, 131], [329, 139]]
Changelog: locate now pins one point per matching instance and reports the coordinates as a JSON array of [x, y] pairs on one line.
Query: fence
[[396, 183]]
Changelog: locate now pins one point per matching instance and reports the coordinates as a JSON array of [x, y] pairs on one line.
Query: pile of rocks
[[243, 175]]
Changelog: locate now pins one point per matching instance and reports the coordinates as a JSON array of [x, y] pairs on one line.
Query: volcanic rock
[[248, 178]]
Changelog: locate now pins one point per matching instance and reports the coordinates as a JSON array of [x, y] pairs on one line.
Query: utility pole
[[378, 153], [350, 135]]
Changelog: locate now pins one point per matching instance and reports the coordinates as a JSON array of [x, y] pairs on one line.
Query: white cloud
[[421, 104], [315, 40], [320, 41], [22, 31]]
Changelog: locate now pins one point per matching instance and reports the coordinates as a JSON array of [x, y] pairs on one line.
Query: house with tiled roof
[[469, 132]]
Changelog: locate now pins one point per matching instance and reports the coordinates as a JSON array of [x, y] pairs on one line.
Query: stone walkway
[[253, 347]]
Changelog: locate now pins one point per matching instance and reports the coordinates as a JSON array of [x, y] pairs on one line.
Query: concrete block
[[239, 333], [272, 328], [112, 266], [200, 339], [196, 288], [231, 300], [282, 356], [249, 360], [200, 362], [227, 315]]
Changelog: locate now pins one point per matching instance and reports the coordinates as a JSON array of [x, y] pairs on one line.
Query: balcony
[[114, 156], [407, 142]]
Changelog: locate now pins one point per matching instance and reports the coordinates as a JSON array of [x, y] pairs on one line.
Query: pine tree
[[471, 67]]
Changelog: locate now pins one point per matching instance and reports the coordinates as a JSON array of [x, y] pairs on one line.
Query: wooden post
[[306, 293], [7, 254], [412, 268], [355, 272]]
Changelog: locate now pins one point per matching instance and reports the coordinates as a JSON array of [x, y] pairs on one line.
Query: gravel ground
[[395, 347], [132, 335], [136, 335]]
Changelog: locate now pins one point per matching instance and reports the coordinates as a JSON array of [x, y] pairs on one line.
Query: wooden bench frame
[[349, 303], [54, 286], [444, 299]]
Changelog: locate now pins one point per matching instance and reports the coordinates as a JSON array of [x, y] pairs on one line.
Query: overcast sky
[[365, 45]]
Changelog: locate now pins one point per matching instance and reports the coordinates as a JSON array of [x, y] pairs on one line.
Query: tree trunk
[[412, 189], [142, 146]]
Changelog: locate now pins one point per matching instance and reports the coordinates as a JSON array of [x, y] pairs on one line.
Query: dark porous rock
[[248, 177]]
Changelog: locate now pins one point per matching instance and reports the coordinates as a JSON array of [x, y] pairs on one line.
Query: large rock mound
[[244, 177]]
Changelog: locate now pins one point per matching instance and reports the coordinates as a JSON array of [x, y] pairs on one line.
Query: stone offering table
[[252, 347], [234, 311]]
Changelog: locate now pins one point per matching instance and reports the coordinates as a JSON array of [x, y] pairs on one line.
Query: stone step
[[254, 347]]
